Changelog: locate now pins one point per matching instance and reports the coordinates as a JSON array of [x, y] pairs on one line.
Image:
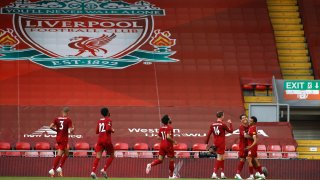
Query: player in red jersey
[[219, 129], [166, 146], [252, 149], [104, 129], [63, 126], [243, 129]]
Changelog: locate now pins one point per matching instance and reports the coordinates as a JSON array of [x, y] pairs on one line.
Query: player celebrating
[[166, 146], [218, 129], [104, 129], [243, 129], [252, 149], [62, 125]]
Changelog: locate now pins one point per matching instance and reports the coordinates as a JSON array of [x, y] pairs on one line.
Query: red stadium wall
[[217, 43], [191, 168]]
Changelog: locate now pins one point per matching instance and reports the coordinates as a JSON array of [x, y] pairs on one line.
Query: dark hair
[[242, 115], [254, 119], [220, 114], [65, 109], [165, 119], [104, 111]]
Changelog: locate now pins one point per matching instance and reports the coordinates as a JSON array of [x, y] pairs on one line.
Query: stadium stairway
[[309, 149], [293, 53]]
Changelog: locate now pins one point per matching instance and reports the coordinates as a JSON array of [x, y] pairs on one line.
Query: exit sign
[[301, 85]]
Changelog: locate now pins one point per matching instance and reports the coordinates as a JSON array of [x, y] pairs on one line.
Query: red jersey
[[251, 132], [164, 132], [243, 142], [218, 129], [104, 129], [62, 125]]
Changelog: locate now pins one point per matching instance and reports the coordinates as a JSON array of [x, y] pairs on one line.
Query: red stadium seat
[[274, 148], [156, 146], [291, 149], [262, 147], [82, 146], [141, 146], [42, 146], [262, 154], [4, 146], [247, 87], [180, 146], [23, 146], [199, 147], [235, 147], [261, 87], [121, 146]]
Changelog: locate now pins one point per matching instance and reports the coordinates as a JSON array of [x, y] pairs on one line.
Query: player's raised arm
[[230, 128]]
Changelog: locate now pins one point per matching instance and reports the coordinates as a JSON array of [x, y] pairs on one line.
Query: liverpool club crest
[[85, 33]]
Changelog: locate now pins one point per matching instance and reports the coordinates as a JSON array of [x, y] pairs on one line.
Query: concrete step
[[290, 27], [291, 39], [285, 20], [289, 33]]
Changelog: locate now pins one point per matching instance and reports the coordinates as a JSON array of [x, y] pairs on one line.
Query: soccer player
[[166, 146], [63, 126], [104, 129], [252, 149], [243, 129], [219, 129]]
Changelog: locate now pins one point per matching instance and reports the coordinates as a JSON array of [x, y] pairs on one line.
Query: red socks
[[156, 162], [240, 166], [109, 161], [63, 159], [251, 170], [56, 162], [95, 164], [171, 168], [217, 166]]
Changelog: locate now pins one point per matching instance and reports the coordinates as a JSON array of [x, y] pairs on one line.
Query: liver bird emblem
[[92, 45]]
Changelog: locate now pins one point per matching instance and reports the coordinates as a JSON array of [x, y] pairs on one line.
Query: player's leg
[[242, 160], [110, 152], [95, 164], [219, 163], [249, 160], [170, 155], [56, 160], [63, 160], [260, 174], [240, 167], [155, 162]]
